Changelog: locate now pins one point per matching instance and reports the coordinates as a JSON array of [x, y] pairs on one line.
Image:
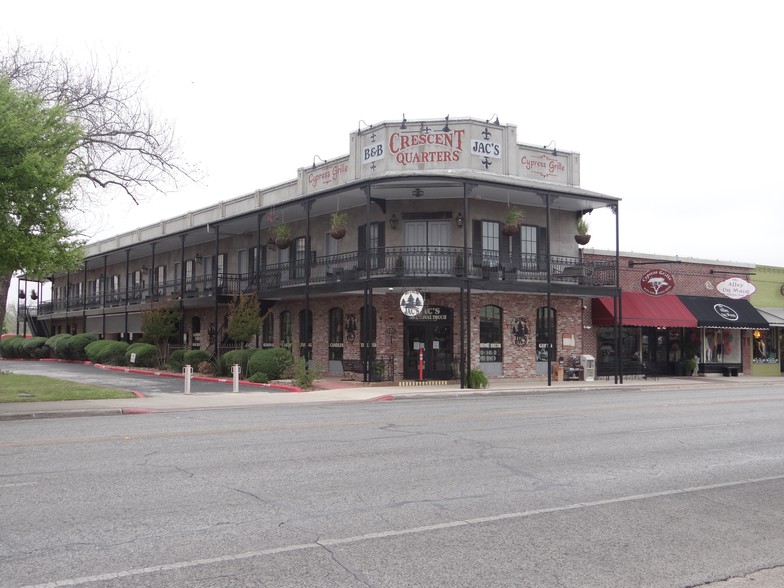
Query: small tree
[[244, 318], [159, 324]]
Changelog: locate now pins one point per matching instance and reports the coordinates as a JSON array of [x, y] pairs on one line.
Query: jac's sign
[[736, 288], [657, 282]]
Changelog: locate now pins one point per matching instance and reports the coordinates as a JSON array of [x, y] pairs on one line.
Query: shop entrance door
[[432, 332]]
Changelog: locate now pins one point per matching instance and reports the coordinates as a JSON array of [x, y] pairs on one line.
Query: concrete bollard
[[235, 380], [188, 371]]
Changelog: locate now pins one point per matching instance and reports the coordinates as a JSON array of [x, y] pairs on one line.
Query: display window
[[764, 347]]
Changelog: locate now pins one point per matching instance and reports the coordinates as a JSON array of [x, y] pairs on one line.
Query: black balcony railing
[[404, 262]]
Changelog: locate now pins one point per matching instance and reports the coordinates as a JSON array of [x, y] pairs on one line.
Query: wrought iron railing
[[405, 262]]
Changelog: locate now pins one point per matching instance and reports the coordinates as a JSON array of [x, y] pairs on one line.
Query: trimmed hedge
[[74, 347], [107, 352], [274, 362], [11, 347], [240, 356], [146, 355], [176, 360], [56, 345], [35, 347], [194, 357]]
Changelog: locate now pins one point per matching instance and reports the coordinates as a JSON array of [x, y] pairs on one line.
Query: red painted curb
[[138, 411], [383, 398]]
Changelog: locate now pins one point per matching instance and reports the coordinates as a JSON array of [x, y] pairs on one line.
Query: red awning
[[643, 310]]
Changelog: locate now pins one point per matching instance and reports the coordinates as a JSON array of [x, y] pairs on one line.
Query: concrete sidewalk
[[335, 390]]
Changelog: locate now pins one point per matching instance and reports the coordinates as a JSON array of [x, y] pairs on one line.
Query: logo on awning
[[725, 312]]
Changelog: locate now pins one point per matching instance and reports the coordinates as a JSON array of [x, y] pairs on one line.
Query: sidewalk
[[336, 390]]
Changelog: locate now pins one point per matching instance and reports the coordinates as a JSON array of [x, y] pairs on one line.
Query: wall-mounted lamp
[[199, 258], [315, 157], [360, 123], [495, 122], [393, 222], [417, 192], [459, 220], [403, 124], [446, 126], [144, 268], [553, 144], [271, 244]]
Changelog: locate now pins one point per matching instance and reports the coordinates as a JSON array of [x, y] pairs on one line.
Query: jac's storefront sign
[[657, 282], [736, 288]]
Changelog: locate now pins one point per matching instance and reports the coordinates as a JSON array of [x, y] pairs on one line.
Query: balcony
[[348, 271]]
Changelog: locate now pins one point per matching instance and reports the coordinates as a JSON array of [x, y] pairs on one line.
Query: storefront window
[[306, 334], [545, 333], [335, 334], [367, 333], [721, 346], [268, 330], [765, 347], [490, 338], [285, 329]]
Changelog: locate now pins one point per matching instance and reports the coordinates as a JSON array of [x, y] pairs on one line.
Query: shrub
[[259, 378], [303, 375], [274, 362], [56, 345], [73, 347], [476, 379], [107, 352], [146, 355], [206, 367], [194, 357], [11, 347], [176, 361], [35, 347], [240, 356]]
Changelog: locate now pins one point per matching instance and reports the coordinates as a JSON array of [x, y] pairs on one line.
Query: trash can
[[588, 363]]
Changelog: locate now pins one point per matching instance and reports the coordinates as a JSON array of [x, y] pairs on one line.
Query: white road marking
[[398, 533]]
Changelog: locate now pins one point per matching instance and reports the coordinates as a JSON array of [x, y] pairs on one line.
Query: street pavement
[[162, 392]]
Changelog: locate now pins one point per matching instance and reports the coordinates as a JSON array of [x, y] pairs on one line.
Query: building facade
[[431, 278]]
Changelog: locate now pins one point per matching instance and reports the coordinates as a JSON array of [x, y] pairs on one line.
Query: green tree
[[158, 325], [106, 139], [244, 318], [36, 177]]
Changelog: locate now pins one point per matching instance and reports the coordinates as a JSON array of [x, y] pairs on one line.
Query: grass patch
[[22, 388]]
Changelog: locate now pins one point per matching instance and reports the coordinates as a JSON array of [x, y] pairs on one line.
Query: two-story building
[[431, 276]]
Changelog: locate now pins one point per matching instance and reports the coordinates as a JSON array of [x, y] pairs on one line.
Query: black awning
[[724, 313]]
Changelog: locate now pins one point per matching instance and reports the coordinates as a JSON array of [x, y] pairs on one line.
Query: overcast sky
[[675, 107]]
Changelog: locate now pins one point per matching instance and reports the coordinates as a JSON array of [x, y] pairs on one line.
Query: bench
[[352, 367]]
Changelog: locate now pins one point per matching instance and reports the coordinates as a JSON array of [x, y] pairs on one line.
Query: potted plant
[[459, 265], [399, 265], [282, 234], [510, 223], [582, 237], [339, 224]]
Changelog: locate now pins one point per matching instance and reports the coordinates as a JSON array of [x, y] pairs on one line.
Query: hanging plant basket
[[582, 239], [509, 230], [337, 232], [282, 242]]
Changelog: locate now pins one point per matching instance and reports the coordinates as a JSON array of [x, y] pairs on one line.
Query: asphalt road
[[643, 488]]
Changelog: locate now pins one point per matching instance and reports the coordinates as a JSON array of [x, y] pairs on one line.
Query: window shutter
[[476, 242]]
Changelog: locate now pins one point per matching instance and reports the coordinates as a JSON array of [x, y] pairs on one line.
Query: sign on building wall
[[657, 282], [736, 288]]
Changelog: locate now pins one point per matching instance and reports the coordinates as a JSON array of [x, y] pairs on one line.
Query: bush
[[274, 362], [73, 347], [240, 356], [107, 352], [476, 379], [35, 347], [11, 347], [56, 345], [146, 355], [176, 361], [194, 357], [259, 378], [303, 375]]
